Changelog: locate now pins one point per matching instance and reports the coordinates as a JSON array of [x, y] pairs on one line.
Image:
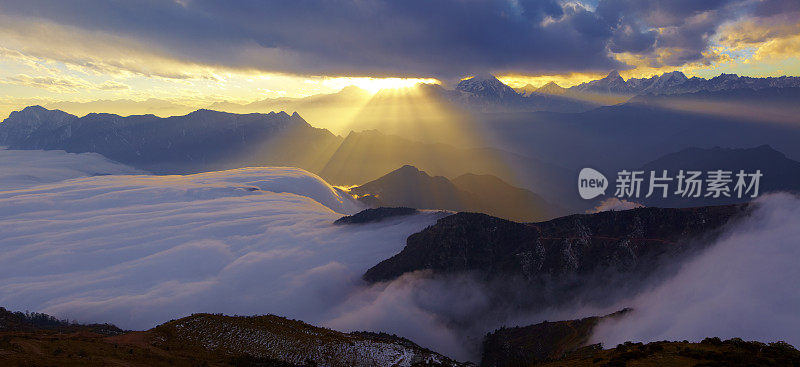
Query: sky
[[197, 52]]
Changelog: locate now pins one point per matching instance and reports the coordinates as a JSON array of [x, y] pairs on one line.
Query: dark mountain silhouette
[[203, 339], [779, 173], [629, 135], [26, 126], [27, 322], [376, 215], [203, 140], [529, 345], [328, 111], [365, 155], [565, 344], [593, 256], [273, 341], [768, 104], [410, 187]]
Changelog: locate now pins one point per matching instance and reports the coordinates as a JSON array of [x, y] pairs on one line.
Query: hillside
[[289, 341], [206, 339], [545, 341], [272, 341]]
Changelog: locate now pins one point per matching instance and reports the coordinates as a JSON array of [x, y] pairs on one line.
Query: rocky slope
[[291, 341], [591, 257]]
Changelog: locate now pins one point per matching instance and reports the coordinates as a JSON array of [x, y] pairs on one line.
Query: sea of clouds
[[747, 285], [88, 239], [138, 250]]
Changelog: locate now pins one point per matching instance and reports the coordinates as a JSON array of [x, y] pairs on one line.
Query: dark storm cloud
[[443, 38], [685, 27]]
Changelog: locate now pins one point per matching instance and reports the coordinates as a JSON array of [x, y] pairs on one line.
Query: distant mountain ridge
[[203, 140], [676, 83], [779, 172], [485, 93], [366, 155], [409, 187]]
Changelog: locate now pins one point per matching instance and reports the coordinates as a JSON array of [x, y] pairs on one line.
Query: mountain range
[[208, 140], [366, 155], [677, 83], [409, 187], [779, 172], [203, 140], [611, 89]]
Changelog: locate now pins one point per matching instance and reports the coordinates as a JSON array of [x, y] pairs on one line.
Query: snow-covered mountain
[[485, 93], [676, 82], [551, 88], [612, 83], [487, 86]]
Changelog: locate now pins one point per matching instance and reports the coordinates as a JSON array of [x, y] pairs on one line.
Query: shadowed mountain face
[[200, 141], [410, 187], [779, 173], [627, 136], [561, 258], [775, 105], [565, 344], [528, 345]]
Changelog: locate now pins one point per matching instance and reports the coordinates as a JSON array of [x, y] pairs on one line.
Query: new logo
[[591, 183]]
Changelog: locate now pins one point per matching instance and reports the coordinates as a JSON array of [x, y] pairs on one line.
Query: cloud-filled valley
[[137, 250], [744, 286]]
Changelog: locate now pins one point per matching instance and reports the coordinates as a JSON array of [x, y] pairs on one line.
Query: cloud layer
[[377, 37], [744, 286], [138, 250]]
